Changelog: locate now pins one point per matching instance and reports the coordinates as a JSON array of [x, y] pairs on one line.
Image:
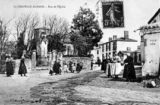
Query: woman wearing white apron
[[118, 66]]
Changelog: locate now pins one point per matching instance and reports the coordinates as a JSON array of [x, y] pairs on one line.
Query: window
[[102, 48], [107, 46], [114, 46], [102, 56], [97, 52]]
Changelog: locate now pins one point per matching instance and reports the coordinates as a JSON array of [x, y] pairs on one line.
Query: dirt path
[[63, 92], [15, 90], [86, 90]]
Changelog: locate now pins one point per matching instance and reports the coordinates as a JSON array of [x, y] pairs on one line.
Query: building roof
[[150, 26], [125, 39], [121, 39], [154, 16]]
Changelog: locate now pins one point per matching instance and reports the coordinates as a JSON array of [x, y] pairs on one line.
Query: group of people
[[118, 65], [10, 66], [71, 67]]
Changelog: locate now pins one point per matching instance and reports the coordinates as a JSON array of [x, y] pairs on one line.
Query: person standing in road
[[104, 64], [108, 67], [74, 67], [56, 67], [98, 62], [129, 67], [22, 68], [79, 67], [91, 64], [9, 66]]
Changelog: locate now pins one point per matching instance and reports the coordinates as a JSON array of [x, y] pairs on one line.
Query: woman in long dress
[[118, 66], [104, 64], [130, 70], [22, 68], [9, 66]]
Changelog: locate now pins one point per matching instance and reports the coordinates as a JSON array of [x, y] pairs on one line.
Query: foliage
[[25, 24], [89, 31], [20, 47], [57, 26], [55, 43], [4, 34], [79, 43]]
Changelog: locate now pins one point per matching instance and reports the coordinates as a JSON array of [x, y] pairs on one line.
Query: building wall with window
[[97, 53], [150, 50]]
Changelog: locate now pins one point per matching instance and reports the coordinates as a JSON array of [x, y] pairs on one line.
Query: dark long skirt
[[9, 68], [78, 68], [129, 72], [56, 68], [125, 71], [22, 68], [103, 67]]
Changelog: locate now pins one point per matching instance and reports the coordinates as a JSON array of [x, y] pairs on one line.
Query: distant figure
[[79, 67], [74, 67], [98, 62], [108, 67], [9, 66], [118, 69], [65, 67], [129, 71], [56, 67], [92, 64], [104, 65], [111, 14], [22, 68], [70, 67]]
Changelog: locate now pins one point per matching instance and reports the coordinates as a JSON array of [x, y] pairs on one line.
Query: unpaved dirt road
[[93, 89], [86, 88]]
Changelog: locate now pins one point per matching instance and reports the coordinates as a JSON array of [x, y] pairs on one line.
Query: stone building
[[115, 45], [150, 46]]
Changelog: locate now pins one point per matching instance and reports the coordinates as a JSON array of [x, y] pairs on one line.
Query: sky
[[136, 12]]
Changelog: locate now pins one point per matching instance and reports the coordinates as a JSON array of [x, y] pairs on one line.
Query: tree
[[58, 30], [55, 43], [25, 26], [89, 30], [57, 25], [4, 34]]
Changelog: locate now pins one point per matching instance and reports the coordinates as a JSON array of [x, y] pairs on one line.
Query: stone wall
[[85, 60]]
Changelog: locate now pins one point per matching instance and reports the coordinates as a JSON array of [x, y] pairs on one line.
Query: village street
[[87, 88]]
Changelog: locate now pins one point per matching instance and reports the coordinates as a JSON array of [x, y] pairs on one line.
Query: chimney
[[114, 37], [126, 34], [110, 39]]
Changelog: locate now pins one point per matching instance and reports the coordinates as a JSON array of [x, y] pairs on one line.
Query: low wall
[[85, 60]]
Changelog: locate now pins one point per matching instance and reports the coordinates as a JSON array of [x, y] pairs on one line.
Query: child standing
[[74, 67]]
